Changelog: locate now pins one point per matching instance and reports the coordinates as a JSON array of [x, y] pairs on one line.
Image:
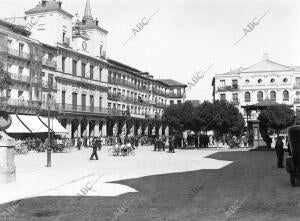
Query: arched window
[[273, 95], [247, 97], [285, 95], [272, 80], [259, 81], [260, 96]]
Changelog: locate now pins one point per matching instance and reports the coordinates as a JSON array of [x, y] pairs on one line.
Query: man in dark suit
[[279, 152], [95, 146]]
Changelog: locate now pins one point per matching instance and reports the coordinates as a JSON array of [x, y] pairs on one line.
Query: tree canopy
[[220, 116], [277, 118]]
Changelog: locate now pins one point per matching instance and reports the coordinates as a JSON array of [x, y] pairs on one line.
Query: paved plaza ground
[[205, 184]]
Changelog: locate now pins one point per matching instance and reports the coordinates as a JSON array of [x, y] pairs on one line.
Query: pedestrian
[[172, 144], [279, 152], [79, 143], [196, 141], [95, 146]]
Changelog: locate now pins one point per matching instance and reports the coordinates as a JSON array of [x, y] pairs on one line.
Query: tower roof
[[87, 11]]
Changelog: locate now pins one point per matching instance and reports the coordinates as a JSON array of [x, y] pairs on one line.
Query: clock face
[[84, 45]]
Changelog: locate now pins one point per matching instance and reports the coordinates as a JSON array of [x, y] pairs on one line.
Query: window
[[259, 81], [273, 95], [91, 72], [285, 80], [109, 105], [235, 97], [74, 101], [21, 47], [83, 101], [100, 74], [101, 50], [20, 93], [178, 101], [247, 81], [247, 97], [100, 102], [222, 83], [21, 69], [222, 97], [63, 64], [272, 80], [83, 65], [8, 93], [171, 102], [74, 67], [178, 91], [63, 99], [234, 84], [92, 103], [260, 96], [285, 95]]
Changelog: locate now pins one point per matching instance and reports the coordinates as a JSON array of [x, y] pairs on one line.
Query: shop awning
[[33, 123], [17, 126], [55, 126]]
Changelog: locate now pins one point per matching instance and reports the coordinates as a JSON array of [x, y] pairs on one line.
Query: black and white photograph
[[149, 110]]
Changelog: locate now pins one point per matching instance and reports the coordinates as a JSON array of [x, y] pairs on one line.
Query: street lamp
[[50, 85]]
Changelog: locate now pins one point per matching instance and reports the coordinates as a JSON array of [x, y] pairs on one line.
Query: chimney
[[265, 56], [44, 3], [59, 4]]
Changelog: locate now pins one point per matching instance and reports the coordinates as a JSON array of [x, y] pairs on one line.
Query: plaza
[[211, 184]]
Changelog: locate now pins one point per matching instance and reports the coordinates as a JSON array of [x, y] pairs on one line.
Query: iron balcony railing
[[5, 101], [18, 53], [126, 83], [228, 88]]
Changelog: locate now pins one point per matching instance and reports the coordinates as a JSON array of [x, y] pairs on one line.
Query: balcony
[[297, 100], [20, 77], [18, 53], [173, 95], [49, 63], [19, 103], [228, 88], [115, 96], [124, 82]]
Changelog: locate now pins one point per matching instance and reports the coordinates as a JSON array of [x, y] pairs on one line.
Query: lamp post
[[50, 82]]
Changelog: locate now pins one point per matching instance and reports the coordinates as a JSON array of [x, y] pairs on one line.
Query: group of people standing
[[199, 141]]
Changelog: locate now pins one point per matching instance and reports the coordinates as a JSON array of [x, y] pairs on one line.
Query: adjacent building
[[59, 61], [265, 80]]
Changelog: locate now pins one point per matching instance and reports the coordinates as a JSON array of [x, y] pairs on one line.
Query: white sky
[[186, 36]]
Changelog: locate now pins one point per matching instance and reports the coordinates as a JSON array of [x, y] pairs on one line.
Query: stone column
[[115, 129], [132, 129], [160, 130], [79, 129], [7, 159], [167, 133], [69, 128], [87, 129], [146, 130], [140, 128], [104, 129], [96, 129], [153, 130], [124, 128]]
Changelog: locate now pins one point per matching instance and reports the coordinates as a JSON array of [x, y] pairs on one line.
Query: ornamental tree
[[277, 118]]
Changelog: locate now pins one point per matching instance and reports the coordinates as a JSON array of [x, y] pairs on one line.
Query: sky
[[184, 37]]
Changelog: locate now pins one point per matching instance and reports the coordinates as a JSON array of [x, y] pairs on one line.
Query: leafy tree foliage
[[179, 116], [5, 81], [221, 116], [276, 118]]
